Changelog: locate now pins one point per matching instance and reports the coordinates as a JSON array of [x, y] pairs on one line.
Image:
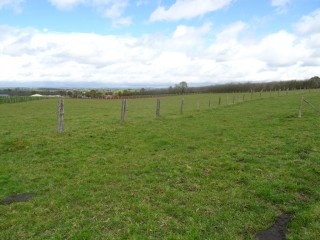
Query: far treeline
[[180, 88]]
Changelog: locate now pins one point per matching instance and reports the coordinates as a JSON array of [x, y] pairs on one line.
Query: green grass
[[224, 173]]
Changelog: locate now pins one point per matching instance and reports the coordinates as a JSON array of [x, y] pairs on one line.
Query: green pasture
[[221, 173]]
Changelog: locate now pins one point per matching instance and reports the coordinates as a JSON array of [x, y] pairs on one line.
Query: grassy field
[[220, 173]]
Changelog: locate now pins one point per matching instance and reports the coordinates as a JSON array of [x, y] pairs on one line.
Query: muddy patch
[[17, 198], [277, 231]]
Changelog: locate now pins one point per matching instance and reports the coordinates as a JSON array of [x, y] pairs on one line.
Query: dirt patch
[[303, 197], [207, 171], [17, 198], [277, 231], [240, 160]]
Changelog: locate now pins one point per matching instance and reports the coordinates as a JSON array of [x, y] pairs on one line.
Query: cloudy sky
[[126, 43]]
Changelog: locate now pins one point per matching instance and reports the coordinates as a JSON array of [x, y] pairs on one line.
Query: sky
[[157, 43]]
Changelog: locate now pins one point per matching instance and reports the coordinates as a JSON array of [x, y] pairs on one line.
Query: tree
[[181, 87], [142, 90], [91, 94], [70, 94]]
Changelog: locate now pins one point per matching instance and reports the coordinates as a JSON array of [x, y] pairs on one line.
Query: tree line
[[180, 88]]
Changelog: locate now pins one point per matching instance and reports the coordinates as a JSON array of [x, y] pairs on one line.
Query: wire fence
[[18, 99], [130, 110], [309, 104]]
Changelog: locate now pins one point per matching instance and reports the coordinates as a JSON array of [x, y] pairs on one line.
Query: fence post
[[300, 108], [198, 105], [123, 110], [209, 103], [158, 108], [60, 128], [182, 106], [219, 100]]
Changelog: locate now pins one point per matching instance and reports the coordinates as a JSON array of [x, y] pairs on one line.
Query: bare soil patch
[[277, 231], [17, 198]]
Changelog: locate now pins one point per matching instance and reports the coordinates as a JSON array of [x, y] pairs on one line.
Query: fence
[[303, 100], [18, 99], [163, 107]]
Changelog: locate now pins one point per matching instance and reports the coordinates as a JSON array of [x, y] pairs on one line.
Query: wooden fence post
[[182, 106], [300, 108], [209, 103], [123, 110], [60, 128], [158, 108], [219, 100], [198, 105]]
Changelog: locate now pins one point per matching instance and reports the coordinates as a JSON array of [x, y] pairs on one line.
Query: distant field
[[220, 173]]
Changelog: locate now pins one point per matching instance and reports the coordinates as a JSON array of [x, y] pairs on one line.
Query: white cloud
[[227, 45], [187, 38], [282, 49], [187, 9], [279, 3], [189, 32], [309, 24], [231, 32], [142, 2], [194, 54], [14, 4], [66, 4], [115, 12], [113, 9]]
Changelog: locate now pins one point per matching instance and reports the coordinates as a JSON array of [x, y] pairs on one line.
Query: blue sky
[[120, 43]]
